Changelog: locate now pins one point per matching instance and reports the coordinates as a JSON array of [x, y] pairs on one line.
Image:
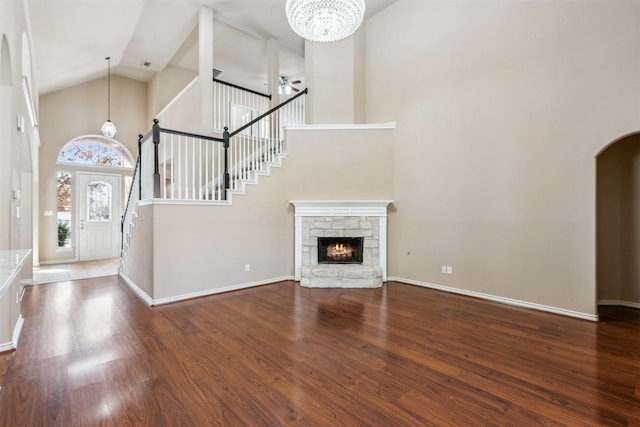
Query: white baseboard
[[137, 290], [508, 301], [208, 292], [17, 330], [13, 344], [629, 304], [59, 261], [161, 301]]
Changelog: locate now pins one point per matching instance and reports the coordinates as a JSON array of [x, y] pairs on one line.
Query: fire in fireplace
[[340, 250]]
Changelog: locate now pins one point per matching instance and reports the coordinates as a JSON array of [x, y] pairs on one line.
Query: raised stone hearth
[[341, 276], [341, 219]]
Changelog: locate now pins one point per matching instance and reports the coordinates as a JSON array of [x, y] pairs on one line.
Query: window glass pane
[[99, 201], [93, 151], [63, 188]]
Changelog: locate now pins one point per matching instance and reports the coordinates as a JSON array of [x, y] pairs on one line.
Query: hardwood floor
[[91, 353]]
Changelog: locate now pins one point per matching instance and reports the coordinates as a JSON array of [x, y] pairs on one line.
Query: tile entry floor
[[75, 271]]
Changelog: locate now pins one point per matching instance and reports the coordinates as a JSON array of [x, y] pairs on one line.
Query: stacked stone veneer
[[365, 275]]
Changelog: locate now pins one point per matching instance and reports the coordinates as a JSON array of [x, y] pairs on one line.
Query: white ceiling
[[71, 38]]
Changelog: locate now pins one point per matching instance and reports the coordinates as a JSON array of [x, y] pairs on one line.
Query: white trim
[[137, 290], [341, 207], [13, 344], [17, 330], [297, 248], [185, 202], [88, 167], [26, 90], [503, 300], [183, 297], [629, 304], [168, 300], [59, 261], [390, 125]]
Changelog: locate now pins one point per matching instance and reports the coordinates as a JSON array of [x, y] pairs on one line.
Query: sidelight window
[[63, 211]]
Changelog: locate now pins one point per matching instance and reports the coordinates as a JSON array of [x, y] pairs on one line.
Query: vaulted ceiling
[[71, 38]]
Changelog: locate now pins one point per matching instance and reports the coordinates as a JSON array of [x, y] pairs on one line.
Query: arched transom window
[[95, 150]]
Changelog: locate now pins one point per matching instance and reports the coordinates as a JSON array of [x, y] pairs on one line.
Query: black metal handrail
[[242, 88], [262, 116], [191, 135], [155, 132], [137, 168]]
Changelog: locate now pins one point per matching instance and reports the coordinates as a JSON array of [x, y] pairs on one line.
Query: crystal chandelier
[[108, 128], [325, 20]]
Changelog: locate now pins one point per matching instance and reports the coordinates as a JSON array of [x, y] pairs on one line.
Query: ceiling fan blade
[[296, 82], [295, 90]]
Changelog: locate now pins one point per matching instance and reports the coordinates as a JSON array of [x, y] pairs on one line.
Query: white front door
[[98, 225]]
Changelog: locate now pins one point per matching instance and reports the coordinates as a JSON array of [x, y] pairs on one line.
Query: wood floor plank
[[92, 354]]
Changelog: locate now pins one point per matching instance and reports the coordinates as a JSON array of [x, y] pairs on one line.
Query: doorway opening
[[618, 223]]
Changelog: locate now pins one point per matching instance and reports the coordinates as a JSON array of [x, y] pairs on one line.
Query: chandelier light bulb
[[324, 20]]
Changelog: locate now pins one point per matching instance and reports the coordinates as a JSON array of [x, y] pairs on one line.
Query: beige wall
[[201, 249], [17, 157], [618, 216], [184, 113], [334, 74], [77, 111], [138, 266], [339, 165], [17, 147], [501, 109], [209, 249], [165, 86]]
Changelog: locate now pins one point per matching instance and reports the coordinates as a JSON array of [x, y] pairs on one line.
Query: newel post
[[139, 166], [156, 173], [227, 183]]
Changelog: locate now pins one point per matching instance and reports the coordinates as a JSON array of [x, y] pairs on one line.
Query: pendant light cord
[[108, 58]]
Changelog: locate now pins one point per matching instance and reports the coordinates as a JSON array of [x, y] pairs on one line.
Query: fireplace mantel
[[340, 208]]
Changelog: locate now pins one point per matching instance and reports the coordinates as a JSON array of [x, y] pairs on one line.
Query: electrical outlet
[[444, 269], [449, 270], [247, 267]]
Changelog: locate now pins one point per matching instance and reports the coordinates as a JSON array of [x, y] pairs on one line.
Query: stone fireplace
[[341, 244]]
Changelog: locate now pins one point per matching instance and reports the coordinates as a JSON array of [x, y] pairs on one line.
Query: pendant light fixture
[[108, 128], [324, 20]]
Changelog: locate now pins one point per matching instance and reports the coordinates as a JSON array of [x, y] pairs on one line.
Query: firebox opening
[[340, 250]]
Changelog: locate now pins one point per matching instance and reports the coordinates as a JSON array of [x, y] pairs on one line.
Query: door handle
[[82, 224]]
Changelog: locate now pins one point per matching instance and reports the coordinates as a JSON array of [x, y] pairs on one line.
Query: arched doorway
[[618, 223]]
